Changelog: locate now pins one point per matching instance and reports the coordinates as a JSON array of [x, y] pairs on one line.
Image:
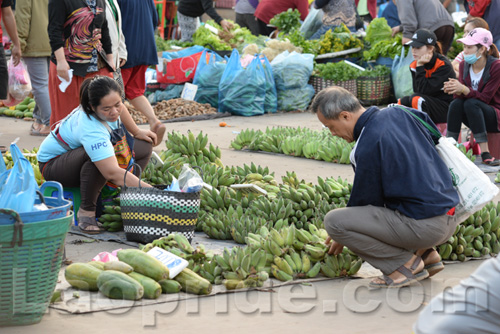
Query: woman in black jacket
[[430, 70]]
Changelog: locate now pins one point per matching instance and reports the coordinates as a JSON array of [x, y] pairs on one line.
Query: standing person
[[402, 200], [450, 5], [489, 10], [335, 12], [114, 18], [79, 38], [472, 23], [429, 71], [141, 21], [7, 17], [430, 15], [390, 13], [32, 18], [267, 9], [189, 12], [92, 146], [245, 10], [367, 9], [476, 92]]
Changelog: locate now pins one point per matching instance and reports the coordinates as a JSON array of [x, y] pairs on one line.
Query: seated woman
[[472, 23], [429, 71], [91, 147], [476, 92]]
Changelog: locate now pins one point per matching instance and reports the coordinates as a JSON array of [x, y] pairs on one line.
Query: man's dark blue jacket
[[398, 167]]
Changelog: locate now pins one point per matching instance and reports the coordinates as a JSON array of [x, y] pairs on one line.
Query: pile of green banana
[[268, 183], [31, 157], [178, 244], [299, 142], [111, 219], [478, 236], [242, 268]]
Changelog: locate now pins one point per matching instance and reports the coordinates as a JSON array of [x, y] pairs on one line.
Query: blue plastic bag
[[19, 190], [169, 55], [401, 74], [242, 91], [207, 77], [271, 99], [292, 70]]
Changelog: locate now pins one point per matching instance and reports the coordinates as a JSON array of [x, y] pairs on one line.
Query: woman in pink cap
[[477, 91]]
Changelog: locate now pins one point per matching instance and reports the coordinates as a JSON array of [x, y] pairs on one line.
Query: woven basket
[[152, 213], [31, 256], [374, 90], [320, 83]]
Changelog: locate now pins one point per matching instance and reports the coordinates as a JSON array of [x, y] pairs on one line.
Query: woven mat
[[89, 302]]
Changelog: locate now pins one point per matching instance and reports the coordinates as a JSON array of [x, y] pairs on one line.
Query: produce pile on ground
[[173, 108], [22, 110], [299, 142]]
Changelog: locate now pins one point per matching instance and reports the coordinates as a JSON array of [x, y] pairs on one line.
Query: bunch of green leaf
[[456, 47], [286, 21], [339, 39], [297, 38], [340, 71], [378, 30], [164, 45], [204, 37], [389, 48], [377, 71]]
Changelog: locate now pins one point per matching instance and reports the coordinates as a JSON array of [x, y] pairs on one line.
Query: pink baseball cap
[[478, 36]]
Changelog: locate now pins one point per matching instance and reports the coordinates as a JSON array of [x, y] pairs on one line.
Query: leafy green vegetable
[[377, 71], [456, 47], [387, 48], [164, 45], [339, 39], [378, 30], [297, 38], [224, 40], [340, 71], [286, 21]]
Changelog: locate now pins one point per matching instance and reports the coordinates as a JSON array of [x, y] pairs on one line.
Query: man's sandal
[[84, 222], [408, 273], [432, 268]]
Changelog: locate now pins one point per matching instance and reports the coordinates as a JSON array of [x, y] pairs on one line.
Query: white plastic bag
[[473, 186], [19, 80], [401, 75], [189, 180], [312, 23]]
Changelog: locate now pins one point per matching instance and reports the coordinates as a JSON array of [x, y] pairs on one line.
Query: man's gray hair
[[333, 100]]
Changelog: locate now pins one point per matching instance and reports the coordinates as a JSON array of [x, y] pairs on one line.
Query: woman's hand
[[62, 69], [122, 62], [16, 54], [424, 59], [453, 86], [146, 135], [109, 58], [335, 247]]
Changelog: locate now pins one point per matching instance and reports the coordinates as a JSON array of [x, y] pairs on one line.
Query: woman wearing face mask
[[472, 23], [477, 91], [429, 71], [91, 147]]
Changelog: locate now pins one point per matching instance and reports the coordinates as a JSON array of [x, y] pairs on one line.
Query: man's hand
[[335, 248], [146, 135], [226, 25], [16, 54], [395, 30], [62, 69], [424, 59], [122, 62], [405, 40]]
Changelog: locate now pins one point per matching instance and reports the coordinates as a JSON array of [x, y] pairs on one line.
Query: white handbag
[[474, 188]]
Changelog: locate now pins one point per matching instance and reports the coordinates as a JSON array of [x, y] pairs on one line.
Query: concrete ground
[[340, 306]]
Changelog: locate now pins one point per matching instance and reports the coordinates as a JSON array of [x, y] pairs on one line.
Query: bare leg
[[142, 104]]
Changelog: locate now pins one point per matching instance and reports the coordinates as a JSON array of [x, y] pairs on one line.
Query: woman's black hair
[[493, 51], [94, 89]]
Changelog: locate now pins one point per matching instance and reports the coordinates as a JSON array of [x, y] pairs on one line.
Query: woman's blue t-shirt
[[80, 130]]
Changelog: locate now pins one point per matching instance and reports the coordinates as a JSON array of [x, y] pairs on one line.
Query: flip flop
[[491, 162], [36, 132], [159, 129], [84, 222]]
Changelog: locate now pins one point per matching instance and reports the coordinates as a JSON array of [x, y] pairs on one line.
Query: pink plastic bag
[[19, 81]]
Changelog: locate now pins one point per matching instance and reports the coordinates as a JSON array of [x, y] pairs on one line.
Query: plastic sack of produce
[[19, 81], [208, 74], [292, 70], [312, 23], [295, 98], [242, 91], [401, 75], [169, 93], [271, 100], [18, 191], [178, 66]]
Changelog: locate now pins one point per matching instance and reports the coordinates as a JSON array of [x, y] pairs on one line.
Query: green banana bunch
[[294, 265], [245, 138], [340, 265], [242, 267], [212, 272], [218, 224], [111, 218]]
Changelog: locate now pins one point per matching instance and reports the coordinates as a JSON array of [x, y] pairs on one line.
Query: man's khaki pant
[[386, 238]]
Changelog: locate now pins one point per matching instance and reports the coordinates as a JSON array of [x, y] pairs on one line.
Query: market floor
[[340, 306]]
